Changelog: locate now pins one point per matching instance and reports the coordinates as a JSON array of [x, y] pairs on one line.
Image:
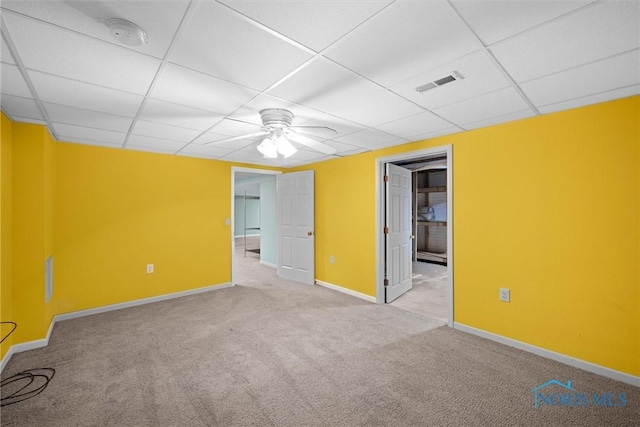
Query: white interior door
[[398, 263], [295, 229]]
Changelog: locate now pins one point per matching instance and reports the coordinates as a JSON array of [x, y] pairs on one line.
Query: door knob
[[413, 237], [309, 233]]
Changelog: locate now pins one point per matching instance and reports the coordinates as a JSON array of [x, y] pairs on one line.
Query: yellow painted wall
[[118, 210], [548, 207], [6, 313], [31, 223]]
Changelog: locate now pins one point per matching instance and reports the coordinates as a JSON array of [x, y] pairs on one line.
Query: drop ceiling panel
[[403, 40], [84, 141], [344, 94], [410, 127], [5, 52], [16, 106], [368, 138], [162, 131], [314, 24], [177, 115], [213, 138], [602, 76], [82, 95], [206, 151], [56, 51], [493, 21], [182, 86], [480, 75], [156, 144], [159, 22], [87, 118], [518, 115], [591, 99], [12, 82], [79, 133], [219, 42], [494, 104], [590, 34]]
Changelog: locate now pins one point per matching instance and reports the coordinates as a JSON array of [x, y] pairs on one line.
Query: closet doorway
[[253, 211], [431, 292]]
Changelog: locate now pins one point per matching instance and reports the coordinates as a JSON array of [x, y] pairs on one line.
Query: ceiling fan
[[279, 134]]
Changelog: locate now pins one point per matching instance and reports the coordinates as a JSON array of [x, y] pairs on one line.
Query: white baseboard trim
[[268, 264], [558, 357], [119, 306], [346, 291], [32, 345], [6, 358]]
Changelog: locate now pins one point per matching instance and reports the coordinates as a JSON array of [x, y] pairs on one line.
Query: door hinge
[[386, 282], [386, 230], [386, 178]]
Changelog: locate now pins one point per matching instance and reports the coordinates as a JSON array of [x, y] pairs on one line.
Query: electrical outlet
[[505, 295], [149, 268], [331, 259]]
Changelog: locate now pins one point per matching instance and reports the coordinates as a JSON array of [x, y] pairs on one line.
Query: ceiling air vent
[[439, 82]]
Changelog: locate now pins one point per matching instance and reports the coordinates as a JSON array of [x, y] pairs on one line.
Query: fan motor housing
[[276, 118]]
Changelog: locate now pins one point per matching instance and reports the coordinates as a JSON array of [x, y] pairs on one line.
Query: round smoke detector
[[127, 32]]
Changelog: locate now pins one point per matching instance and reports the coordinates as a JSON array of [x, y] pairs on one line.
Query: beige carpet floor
[[428, 295], [276, 353]]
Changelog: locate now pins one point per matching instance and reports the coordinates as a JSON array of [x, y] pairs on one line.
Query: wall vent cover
[[439, 82]]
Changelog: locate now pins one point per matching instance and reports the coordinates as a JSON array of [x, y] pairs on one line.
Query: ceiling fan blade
[[319, 146], [315, 127], [236, 138]]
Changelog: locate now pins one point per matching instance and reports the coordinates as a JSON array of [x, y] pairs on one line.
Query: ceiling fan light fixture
[[268, 148], [285, 147]]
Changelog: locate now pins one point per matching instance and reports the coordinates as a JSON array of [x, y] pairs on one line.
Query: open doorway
[[253, 210], [431, 213]]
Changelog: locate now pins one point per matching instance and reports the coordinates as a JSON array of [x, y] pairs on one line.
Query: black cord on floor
[[15, 325], [36, 379]]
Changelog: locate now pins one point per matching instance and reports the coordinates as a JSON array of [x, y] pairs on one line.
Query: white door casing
[[295, 226], [398, 236]]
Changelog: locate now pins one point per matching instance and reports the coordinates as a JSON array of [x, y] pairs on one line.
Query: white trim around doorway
[[380, 212], [235, 169]]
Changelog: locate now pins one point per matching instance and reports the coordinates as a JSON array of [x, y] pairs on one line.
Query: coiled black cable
[[36, 380]]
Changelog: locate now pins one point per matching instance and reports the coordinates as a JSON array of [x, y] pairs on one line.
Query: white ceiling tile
[[182, 86], [221, 43], [16, 106], [479, 73], [344, 94], [314, 24], [418, 124], [84, 141], [158, 130], [5, 52], [206, 151], [441, 132], [53, 50], [404, 39], [591, 99], [590, 34], [341, 147], [177, 115], [144, 142], [368, 138], [12, 82], [231, 127], [87, 118], [79, 133], [495, 20], [159, 22], [212, 137], [157, 150], [494, 104], [83, 95], [518, 115], [602, 76]]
